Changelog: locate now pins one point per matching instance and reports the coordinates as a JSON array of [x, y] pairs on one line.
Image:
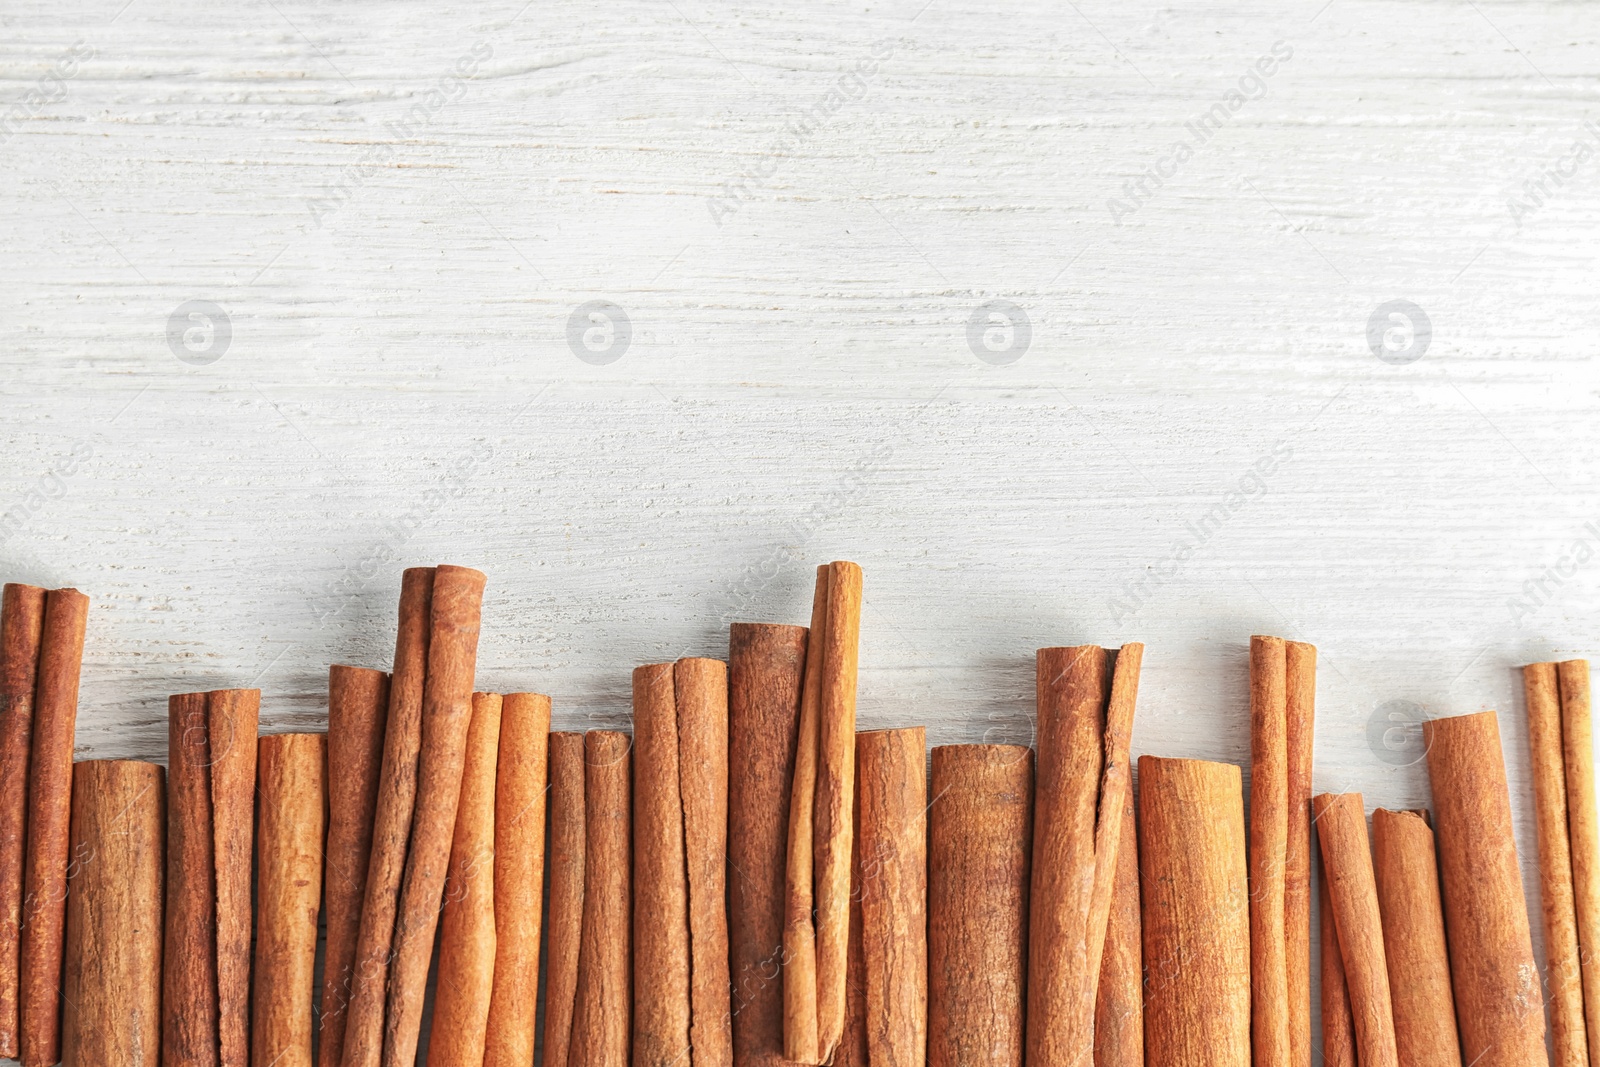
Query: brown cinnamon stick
[[821, 818], [1583, 826], [358, 706], [21, 632], [893, 790], [468, 944], [44, 910], [291, 769], [519, 818], [852, 1048], [1300, 710], [567, 873], [446, 715], [113, 972], [1269, 848], [1407, 871], [189, 1036], [1338, 1028], [1196, 913], [233, 717], [1119, 1005], [1352, 889], [1568, 1035], [391, 826], [981, 833], [765, 666], [701, 691], [1493, 976], [602, 1012]]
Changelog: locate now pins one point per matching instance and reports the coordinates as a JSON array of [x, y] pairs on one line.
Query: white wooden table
[[294, 294]]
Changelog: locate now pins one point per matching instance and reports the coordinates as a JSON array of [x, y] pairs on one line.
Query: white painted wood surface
[[398, 206]]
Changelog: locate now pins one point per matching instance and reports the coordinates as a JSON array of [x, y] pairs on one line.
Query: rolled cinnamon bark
[[852, 1048], [1196, 913], [567, 847], [981, 833], [893, 850], [1407, 872], [467, 946], [1568, 1038], [1338, 1029], [446, 716], [765, 666], [1119, 1005], [1352, 889], [1496, 984], [189, 1035], [519, 816], [1269, 848], [822, 817], [358, 705], [701, 691], [391, 825], [1116, 784], [602, 1012], [44, 912], [233, 717], [291, 769], [113, 974], [1583, 825], [21, 632], [1300, 707]]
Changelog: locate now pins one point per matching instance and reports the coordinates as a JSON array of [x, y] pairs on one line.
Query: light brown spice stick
[[391, 823], [980, 837], [852, 1048], [1583, 826], [519, 823], [44, 911], [701, 690], [189, 1035], [1196, 913], [358, 706], [1499, 1005], [893, 847], [1119, 1004], [1347, 857], [602, 1014], [467, 946], [1269, 847], [766, 664], [232, 721], [660, 878], [1563, 963], [1338, 1028], [1407, 871], [1116, 782], [21, 632], [446, 716], [291, 769], [567, 848], [113, 973], [800, 1036], [1071, 693], [1300, 706]]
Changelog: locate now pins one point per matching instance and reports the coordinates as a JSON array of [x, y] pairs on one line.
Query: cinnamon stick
[[1568, 1035], [1407, 871], [113, 971], [852, 1048], [1352, 889], [1269, 848], [821, 823], [519, 817], [567, 847], [1495, 981], [44, 910], [358, 706], [602, 1012], [1338, 1028], [189, 1036], [1196, 913], [660, 881], [467, 946], [233, 717], [21, 632], [766, 664], [701, 692], [291, 769], [391, 824], [1119, 1005], [446, 715], [1300, 709], [981, 833], [893, 850], [1583, 825]]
